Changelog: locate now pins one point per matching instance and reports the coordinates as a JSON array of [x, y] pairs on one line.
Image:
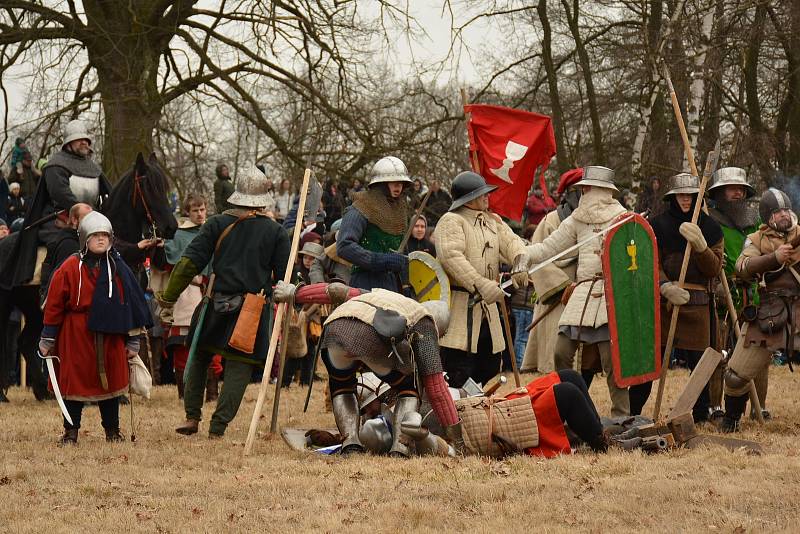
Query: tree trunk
[[126, 57], [787, 129], [762, 149], [599, 157], [647, 101], [715, 70], [552, 84], [697, 85]]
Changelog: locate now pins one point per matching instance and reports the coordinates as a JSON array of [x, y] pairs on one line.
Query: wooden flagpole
[[474, 161], [276, 327]]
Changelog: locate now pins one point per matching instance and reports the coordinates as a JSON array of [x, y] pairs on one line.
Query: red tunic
[[78, 376], [552, 437]]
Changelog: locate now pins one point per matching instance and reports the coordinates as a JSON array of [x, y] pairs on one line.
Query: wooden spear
[[710, 166], [276, 327]]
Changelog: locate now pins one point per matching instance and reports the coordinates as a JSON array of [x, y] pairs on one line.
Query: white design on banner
[[514, 153]]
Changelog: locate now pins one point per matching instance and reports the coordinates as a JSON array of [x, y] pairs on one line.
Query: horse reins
[[138, 192]]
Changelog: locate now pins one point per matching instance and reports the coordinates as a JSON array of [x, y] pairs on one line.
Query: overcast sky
[[426, 49]]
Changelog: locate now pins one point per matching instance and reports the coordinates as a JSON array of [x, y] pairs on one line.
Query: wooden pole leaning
[[710, 164], [276, 327], [754, 400], [510, 342]]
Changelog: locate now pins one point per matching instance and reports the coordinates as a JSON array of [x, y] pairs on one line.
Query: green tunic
[[252, 256]]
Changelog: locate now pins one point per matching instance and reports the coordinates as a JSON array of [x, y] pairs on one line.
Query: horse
[[137, 208]]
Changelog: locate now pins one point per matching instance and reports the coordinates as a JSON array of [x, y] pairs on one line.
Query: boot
[[179, 383], [113, 435], [456, 437], [734, 407], [348, 421], [212, 387], [188, 427], [3, 397], [70, 437], [403, 407]]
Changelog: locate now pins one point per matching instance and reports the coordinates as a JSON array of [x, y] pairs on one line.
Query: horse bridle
[[138, 193]]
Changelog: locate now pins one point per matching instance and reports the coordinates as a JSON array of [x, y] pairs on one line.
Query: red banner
[[509, 145]]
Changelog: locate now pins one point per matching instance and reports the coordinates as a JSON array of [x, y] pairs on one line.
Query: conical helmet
[[389, 169], [598, 176], [732, 176], [683, 183], [252, 189], [93, 222], [74, 130]]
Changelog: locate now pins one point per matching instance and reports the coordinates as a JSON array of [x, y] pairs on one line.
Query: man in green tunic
[[373, 227], [733, 207], [247, 260]]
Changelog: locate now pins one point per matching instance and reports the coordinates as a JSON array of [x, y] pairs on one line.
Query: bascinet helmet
[[389, 169], [731, 176], [683, 183], [93, 222], [252, 189], [597, 176], [468, 186], [771, 201], [74, 130]]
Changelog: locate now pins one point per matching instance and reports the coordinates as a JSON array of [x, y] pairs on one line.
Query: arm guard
[[441, 401]]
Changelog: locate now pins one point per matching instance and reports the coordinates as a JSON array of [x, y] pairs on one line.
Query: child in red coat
[[94, 313]]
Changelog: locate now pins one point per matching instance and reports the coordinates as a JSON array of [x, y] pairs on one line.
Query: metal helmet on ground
[[682, 183], [440, 311], [74, 130], [389, 169], [252, 189], [731, 176], [468, 186], [598, 176], [93, 222], [771, 201], [369, 388]]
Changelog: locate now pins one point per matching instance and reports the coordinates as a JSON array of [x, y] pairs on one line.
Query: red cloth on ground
[[552, 437], [180, 355], [441, 401], [78, 377]]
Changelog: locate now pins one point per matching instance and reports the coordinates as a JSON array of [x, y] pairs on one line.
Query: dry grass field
[[168, 483]]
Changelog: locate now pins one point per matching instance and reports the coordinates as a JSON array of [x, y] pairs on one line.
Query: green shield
[[630, 274]]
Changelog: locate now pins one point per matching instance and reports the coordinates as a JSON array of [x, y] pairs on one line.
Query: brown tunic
[[693, 331]]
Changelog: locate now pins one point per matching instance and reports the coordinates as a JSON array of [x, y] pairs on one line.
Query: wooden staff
[[276, 327], [510, 342], [474, 161], [713, 156], [754, 400]]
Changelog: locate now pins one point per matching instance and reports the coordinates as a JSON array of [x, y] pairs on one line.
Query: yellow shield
[[427, 277]]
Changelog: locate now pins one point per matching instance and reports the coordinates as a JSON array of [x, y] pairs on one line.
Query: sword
[[51, 370], [561, 254]]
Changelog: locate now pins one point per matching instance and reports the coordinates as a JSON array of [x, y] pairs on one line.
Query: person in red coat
[[93, 315]]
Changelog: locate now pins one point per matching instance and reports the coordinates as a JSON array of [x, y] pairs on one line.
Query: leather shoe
[[189, 427]]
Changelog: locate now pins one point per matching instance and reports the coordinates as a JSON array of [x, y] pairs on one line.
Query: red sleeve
[[318, 294], [441, 401]]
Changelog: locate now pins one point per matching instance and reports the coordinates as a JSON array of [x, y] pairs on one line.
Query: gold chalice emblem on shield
[[631, 248]]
